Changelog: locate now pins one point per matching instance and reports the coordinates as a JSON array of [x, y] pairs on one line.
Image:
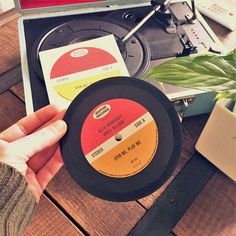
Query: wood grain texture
[[49, 221], [18, 90], [96, 216], [10, 78], [191, 128], [8, 16], [174, 202], [11, 110], [213, 212], [10, 53]]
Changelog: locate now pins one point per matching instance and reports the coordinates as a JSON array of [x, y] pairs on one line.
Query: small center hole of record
[[118, 137]]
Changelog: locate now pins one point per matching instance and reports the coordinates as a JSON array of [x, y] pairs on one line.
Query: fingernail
[[60, 125]]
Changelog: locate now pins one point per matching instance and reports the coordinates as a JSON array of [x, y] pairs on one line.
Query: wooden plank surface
[[49, 221], [8, 16], [9, 44], [213, 212], [18, 90], [10, 78], [173, 203], [11, 109], [96, 216]]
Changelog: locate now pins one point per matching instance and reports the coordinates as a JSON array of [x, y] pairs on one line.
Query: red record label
[[119, 138], [81, 59]]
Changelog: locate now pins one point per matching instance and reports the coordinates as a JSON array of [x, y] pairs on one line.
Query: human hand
[[31, 146]]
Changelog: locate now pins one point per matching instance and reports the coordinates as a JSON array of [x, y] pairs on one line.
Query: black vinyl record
[[135, 51], [123, 140]]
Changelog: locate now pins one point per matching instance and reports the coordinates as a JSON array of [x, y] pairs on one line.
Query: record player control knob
[[129, 18]]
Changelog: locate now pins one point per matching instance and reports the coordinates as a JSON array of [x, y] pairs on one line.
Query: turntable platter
[[135, 51]]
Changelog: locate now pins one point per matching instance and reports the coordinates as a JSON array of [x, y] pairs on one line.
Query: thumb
[[29, 145]]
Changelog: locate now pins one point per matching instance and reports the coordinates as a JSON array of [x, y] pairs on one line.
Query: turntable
[[147, 33]]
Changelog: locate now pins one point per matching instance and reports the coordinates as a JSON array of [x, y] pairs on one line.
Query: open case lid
[[36, 6]]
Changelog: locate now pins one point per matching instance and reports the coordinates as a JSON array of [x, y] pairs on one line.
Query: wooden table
[[66, 209]]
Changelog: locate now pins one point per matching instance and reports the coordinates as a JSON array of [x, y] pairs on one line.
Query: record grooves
[[123, 140], [135, 51]]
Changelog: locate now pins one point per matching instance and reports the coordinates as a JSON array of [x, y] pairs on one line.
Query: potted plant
[[216, 73]]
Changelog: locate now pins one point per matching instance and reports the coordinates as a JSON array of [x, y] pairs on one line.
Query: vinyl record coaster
[[123, 139], [135, 51]]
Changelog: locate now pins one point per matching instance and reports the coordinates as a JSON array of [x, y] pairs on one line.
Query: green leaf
[[231, 57], [229, 95], [206, 72]]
